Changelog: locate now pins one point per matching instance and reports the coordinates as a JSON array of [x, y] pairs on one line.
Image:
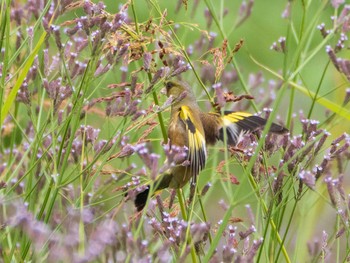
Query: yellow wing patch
[[235, 117], [197, 154]]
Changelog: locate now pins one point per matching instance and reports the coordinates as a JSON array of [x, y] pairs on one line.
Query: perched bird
[[191, 127]]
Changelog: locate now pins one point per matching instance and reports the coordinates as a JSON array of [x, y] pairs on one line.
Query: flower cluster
[[342, 27]]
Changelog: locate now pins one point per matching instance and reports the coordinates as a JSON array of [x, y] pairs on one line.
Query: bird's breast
[[177, 132]]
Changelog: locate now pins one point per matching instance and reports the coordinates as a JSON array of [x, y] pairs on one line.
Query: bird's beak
[[163, 91]]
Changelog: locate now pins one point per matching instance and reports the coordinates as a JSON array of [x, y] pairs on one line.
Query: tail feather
[[141, 199], [161, 183]]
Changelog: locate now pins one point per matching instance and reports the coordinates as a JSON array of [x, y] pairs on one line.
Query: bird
[[194, 129]]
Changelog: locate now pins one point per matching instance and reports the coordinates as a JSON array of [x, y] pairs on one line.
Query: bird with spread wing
[[194, 129]]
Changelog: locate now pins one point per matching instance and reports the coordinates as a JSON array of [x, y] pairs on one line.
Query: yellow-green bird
[[191, 127]]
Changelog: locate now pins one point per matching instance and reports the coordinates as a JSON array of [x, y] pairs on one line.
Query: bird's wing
[[239, 123], [197, 154]]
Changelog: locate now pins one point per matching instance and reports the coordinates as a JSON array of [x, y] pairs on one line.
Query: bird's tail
[[161, 183], [238, 123]]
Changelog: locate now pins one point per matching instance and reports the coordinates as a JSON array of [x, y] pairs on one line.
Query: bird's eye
[[169, 85]]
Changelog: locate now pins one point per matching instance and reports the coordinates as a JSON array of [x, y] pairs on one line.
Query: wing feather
[[197, 154], [239, 123]]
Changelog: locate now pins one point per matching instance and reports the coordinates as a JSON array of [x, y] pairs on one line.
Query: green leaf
[[21, 76], [334, 107]]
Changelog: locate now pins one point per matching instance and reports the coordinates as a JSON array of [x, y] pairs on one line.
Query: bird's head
[[180, 91]]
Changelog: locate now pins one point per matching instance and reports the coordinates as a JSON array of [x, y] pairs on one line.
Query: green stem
[[270, 219], [317, 91], [186, 218], [287, 229], [219, 233], [204, 215]]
